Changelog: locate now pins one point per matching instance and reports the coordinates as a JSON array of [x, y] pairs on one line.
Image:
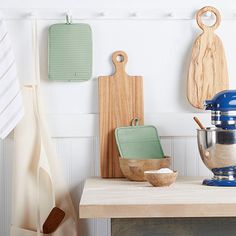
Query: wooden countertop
[[120, 198]]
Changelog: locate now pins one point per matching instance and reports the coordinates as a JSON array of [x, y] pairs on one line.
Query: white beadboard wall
[[159, 50]]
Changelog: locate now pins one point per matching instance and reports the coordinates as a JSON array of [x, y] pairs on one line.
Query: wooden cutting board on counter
[[208, 69], [120, 100]]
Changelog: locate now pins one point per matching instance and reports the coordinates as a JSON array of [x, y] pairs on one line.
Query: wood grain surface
[[187, 197], [161, 179], [208, 70], [120, 100]]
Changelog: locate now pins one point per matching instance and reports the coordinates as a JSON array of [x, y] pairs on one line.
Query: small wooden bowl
[[160, 179], [134, 169]]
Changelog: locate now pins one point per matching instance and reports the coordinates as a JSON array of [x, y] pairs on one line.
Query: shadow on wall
[[85, 225]]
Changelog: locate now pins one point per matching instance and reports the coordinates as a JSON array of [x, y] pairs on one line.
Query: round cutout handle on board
[[119, 59], [204, 10]]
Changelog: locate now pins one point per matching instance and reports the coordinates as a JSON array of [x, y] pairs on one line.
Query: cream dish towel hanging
[[38, 183], [11, 106]]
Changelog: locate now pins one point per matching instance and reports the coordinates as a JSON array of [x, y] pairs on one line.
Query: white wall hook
[[68, 17], [208, 14], [31, 15], [102, 14], [134, 14], [171, 14]]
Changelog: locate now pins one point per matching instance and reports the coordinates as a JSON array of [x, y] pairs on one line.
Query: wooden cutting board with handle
[[120, 100], [208, 70]]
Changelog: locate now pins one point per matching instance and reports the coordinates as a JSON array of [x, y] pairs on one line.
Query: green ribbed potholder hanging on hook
[[70, 51], [138, 141]]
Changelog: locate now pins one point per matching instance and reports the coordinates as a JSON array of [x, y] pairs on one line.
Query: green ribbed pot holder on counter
[[70, 52], [138, 142]]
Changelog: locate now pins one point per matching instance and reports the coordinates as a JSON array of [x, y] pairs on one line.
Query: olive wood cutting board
[[208, 70], [120, 100]]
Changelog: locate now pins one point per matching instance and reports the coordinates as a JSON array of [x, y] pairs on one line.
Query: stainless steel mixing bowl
[[217, 148]]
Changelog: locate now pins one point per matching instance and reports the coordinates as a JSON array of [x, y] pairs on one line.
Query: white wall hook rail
[[114, 14]]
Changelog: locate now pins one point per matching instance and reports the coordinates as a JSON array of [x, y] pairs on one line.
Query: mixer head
[[223, 109]]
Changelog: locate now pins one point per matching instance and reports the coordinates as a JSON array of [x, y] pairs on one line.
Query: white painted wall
[[159, 50]]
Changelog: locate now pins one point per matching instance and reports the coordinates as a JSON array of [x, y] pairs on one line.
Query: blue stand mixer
[[217, 145]]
